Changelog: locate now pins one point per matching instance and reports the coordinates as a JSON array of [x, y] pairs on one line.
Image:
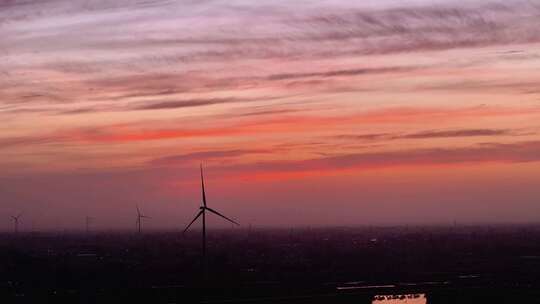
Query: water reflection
[[417, 298]]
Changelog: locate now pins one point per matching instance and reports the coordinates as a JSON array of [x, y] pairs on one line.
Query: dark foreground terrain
[[498, 264]]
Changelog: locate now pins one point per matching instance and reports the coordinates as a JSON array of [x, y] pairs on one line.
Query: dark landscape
[[270, 151], [469, 264]]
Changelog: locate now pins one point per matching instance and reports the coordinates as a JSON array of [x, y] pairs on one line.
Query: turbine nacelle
[[140, 216], [204, 208]]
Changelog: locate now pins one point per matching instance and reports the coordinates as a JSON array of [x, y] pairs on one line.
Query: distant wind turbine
[[202, 212], [140, 216], [16, 222], [88, 220]]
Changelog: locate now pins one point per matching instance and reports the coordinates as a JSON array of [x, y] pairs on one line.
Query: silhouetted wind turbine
[[87, 222], [202, 211], [16, 222], [140, 216]]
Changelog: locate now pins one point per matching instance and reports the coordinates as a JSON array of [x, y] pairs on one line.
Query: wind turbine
[[16, 222], [88, 220], [202, 212], [140, 216]]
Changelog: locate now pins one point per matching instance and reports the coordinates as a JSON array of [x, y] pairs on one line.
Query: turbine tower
[[16, 222], [140, 216], [202, 212]]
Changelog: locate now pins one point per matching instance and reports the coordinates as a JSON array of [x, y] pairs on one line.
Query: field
[[311, 265]]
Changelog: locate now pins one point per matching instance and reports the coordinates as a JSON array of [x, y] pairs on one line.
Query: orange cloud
[[487, 153], [288, 124], [285, 124]]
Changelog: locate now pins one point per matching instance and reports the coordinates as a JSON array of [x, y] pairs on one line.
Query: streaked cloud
[[205, 156], [430, 134], [338, 73], [134, 133], [487, 153], [457, 133]]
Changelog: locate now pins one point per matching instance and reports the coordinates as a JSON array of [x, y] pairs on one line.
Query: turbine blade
[[196, 217], [223, 216], [202, 186], [146, 217], [138, 211]]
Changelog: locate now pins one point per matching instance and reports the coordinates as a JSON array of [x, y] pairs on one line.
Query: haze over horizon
[[307, 113]]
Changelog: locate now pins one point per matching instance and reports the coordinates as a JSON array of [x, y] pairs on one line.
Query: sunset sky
[[302, 112]]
